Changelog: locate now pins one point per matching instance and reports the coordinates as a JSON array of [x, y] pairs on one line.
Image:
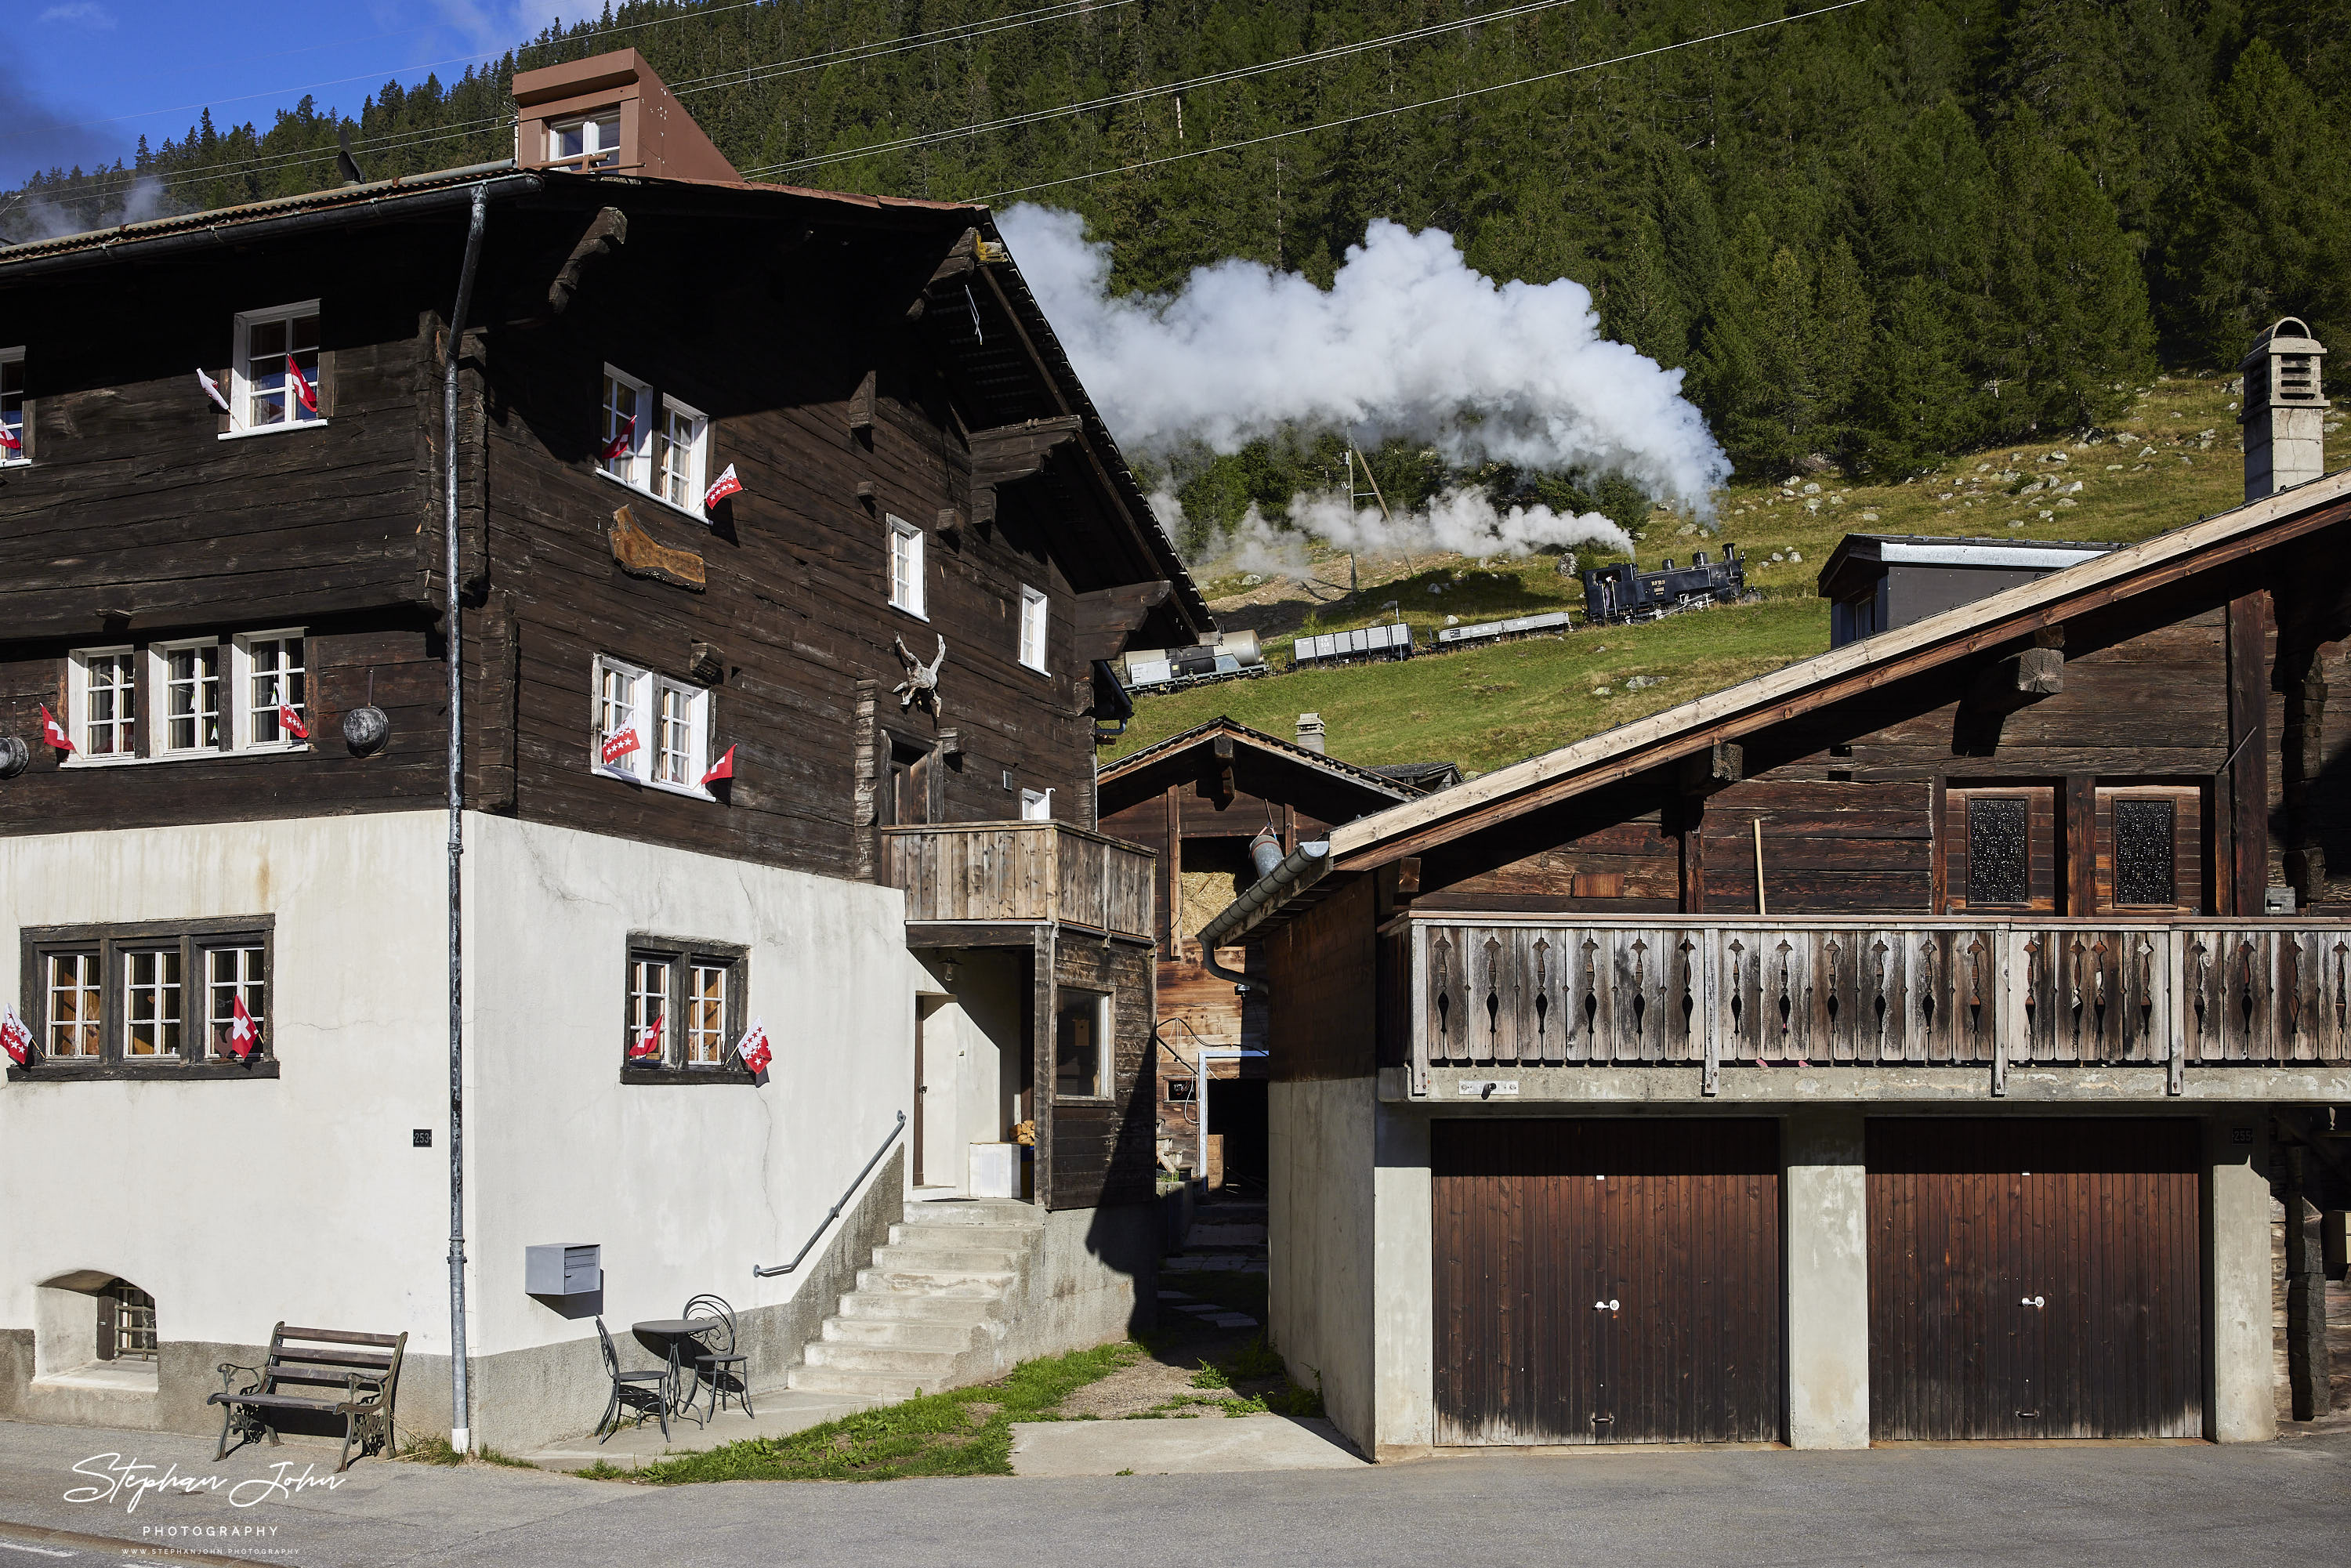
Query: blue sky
[[81, 81]]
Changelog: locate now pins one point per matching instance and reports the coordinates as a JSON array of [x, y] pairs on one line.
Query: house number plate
[[1487, 1088]]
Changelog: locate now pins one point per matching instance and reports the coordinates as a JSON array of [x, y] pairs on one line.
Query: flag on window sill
[[52, 732], [726, 485], [618, 447], [648, 1046], [244, 1037], [15, 1038], [753, 1048], [301, 385], [722, 768], [289, 720], [618, 745], [212, 390], [10, 441]]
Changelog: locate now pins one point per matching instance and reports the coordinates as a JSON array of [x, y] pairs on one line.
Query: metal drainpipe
[[1299, 869], [459, 1427]]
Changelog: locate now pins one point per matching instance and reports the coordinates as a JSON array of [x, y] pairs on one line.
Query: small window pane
[[151, 1002], [1996, 857], [648, 1000], [110, 706], [229, 973], [270, 396], [73, 1015], [621, 408], [1081, 1065], [277, 675], [191, 698], [673, 757], [705, 1026], [2144, 856], [676, 459]]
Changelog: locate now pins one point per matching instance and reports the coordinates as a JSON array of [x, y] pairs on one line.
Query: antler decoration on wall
[[922, 682]]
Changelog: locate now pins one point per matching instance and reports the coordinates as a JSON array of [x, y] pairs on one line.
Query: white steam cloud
[[145, 198], [1409, 342], [1460, 521]]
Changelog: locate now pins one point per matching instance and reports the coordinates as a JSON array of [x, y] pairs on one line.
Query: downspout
[[1301, 869], [459, 1427]]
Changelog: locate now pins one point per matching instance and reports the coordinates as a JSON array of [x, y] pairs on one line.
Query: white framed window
[[1081, 1042], [1033, 621], [1036, 805], [707, 1041], [12, 408], [626, 418], [681, 455], [649, 1003], [102, 702], [695, 991], [187, 677], [269, 669], [263, 394], [591, 143], [232, 972], [650, 730], [907, 568], [74, 1025], [151, 1001]]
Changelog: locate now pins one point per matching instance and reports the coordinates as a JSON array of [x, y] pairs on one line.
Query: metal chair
[[716, 1359], [638, 1391]]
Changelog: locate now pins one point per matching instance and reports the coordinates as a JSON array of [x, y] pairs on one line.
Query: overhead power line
[[1425, 103], [1135, 95]]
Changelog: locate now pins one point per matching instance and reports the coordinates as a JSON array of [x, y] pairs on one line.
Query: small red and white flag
[[212, 390], [290, 720], [648, 1046], [12, 442], [753, 1048], [618, 745], [52, 732], [244, 1034], [726, 485], [722, 768], [301, 384], [622, 440], [15, 1038]]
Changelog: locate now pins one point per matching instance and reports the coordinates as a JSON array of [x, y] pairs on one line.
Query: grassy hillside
[[2174, 458]]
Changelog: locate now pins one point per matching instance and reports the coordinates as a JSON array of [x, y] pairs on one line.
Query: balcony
[[979, 874], [1826, 994]]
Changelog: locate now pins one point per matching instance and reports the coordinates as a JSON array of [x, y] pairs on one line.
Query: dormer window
[[273, 382], [592, 142]]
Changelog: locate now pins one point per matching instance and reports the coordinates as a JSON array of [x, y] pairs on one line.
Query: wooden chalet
[[1200, 799], [221, 575], [1901, 1045]]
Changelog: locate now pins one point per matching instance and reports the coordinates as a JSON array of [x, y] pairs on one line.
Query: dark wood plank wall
[[1852, 797], [1325, 1014], [1108, 1154]]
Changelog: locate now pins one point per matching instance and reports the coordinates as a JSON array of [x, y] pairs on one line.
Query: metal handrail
[[759, 1273]]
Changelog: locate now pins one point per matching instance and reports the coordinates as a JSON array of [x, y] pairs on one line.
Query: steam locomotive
[[1615, 595]]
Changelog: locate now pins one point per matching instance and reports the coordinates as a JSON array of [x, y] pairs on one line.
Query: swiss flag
[[52, 732], [753, 1048], [648, 1046], [618, 745], [618, 447], [244, 1036], [722, 768], [726, 486], [11, 442], [289, 720], [301, 385], [15, 1038]]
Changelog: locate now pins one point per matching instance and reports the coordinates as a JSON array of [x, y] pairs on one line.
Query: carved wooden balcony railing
[[1861, 992], [1031, 871]]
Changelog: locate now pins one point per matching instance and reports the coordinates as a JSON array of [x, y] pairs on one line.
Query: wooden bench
[[358, 1375]]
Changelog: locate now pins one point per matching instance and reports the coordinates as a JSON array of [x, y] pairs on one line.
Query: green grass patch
[[963, 1432]]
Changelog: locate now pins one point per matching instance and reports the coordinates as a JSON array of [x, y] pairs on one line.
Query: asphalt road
[[2146, 1505]]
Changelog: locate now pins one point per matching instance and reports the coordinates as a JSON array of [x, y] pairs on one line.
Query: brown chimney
[[611, 114]]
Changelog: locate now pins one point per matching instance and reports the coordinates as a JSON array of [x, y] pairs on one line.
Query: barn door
[[2034, 1278], [1606, 1281]]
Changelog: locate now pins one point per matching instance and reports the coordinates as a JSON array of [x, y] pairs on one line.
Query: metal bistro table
[[675, 1330]]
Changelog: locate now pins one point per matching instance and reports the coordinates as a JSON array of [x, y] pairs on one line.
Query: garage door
[[1606, 1281], [2034, 1278]]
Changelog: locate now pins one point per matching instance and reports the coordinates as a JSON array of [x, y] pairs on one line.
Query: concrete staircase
[[935, 1308]]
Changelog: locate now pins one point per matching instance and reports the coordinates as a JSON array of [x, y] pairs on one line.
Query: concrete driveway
[[2144, 1505]]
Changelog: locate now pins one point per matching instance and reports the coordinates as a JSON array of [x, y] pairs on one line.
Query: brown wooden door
[[2034, 1276], [1606, 1281]]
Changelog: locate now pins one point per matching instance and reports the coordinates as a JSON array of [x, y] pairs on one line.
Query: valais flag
[[15, 1038], [753, 1048], [618, 745], [618, 447], [52, 732], [722, 768], [11, 442], [726, 485], [244, 1038], [648, 1046], [289, 720], [301, 385]]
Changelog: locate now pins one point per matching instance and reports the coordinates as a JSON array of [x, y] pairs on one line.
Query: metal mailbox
[[563, 1269]]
